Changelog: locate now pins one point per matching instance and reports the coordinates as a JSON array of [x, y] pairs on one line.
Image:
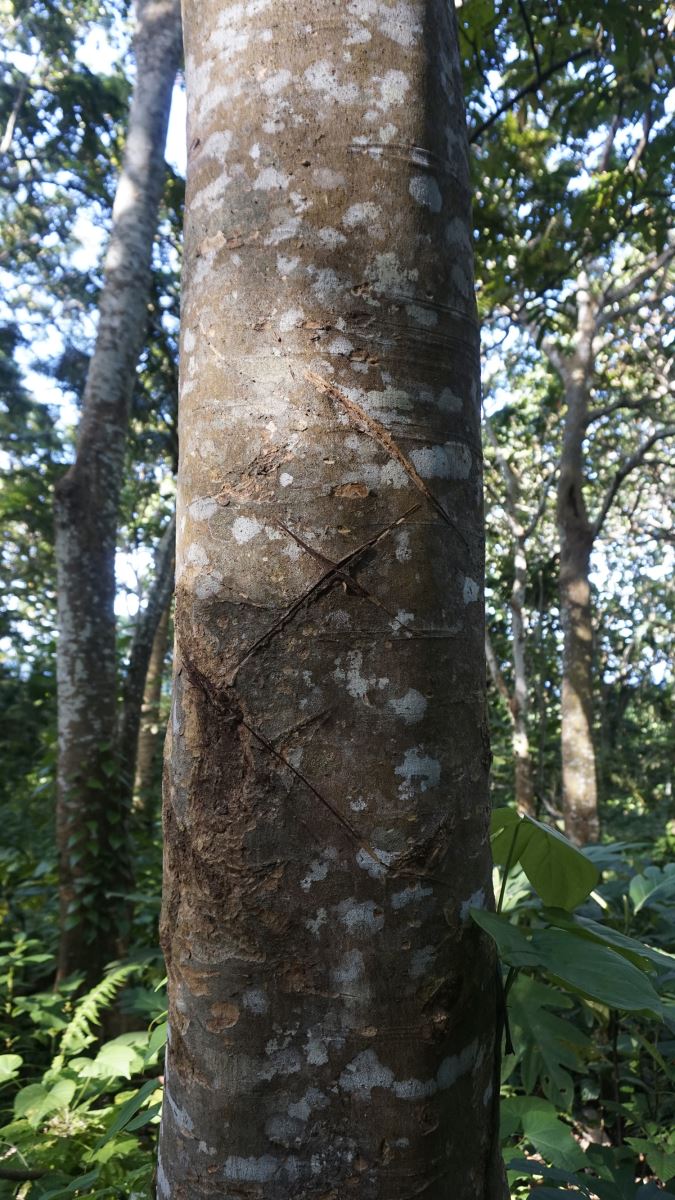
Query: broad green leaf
[[662, 1163], [513, 947], [559, 873], [596, 971], [653, 884], [9, 1066], [552, 1138], [36, 1101], [634, 950], [119, 1059], [548, 1045]]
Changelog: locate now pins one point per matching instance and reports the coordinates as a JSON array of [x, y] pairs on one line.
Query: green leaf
[[9, 1066], [654, 884], [36, 1101], [634, 950], [596, 971], [548, 1045], [559, 873], [127, 1110], [157, 1040], [513, 947], [552, 1138], [117, 1059], [662, 1163]]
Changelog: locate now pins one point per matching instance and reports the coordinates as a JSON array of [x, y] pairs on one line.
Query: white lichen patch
[[414, 1089], [377, 863], [255, 1001], [286, 266], [315, 1050], [276, 83], [453, 460], [271, 179], [357, 684], [328, 179], [291, 319], [317, 871], [303, 1108], [402, 545], [361, 919], [425, 190], [281, 233], [203, 509], [422, 314], [419, 772], [410, 707], [364, 1073], [315, 923], [331, 237], [470, 590], [350, 969], [361, 214], [285, 479], [340, 346], [251, 1170], [456, 1065], [421, 961], [448, 401], [476, 900], [410, 895], [244, 529], [392, 89], [321, 78], [389, 277]]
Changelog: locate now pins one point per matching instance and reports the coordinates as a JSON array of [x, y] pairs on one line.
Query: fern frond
[[78, 1032]]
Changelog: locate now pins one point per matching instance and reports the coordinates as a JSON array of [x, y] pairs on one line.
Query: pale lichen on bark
[[332, 1009]]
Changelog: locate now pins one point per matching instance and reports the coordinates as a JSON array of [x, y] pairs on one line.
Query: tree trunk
[[521, 743], [149, 734], [137, 677], [579, 787], [332, 1006], [89, 817]]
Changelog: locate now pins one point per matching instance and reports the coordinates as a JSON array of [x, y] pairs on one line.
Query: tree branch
[[532, 86], [629, 465]]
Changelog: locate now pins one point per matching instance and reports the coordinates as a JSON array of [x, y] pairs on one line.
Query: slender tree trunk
[[89, 817], [149, 734], [332, 1006], [137, 676], [579, 786], [521, 742]]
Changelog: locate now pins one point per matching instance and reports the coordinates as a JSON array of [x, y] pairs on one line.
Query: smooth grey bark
[[332, 1006], [575, 531], [89, 811], [150, 733], [137, 676], [517, 698]]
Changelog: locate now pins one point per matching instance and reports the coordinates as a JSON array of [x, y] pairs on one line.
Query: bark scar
[[333, 571], [377, 431], [351, 583]]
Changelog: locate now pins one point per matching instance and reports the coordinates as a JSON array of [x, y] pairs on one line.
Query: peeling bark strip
[[89, 810], [332, 1006]]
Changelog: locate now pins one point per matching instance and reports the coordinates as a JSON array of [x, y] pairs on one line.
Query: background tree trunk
[[332, 1005], [579, 785], [137, 680], [89, 816], [150, 733]]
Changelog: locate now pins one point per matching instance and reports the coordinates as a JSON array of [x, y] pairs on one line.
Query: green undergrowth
[[589, 1036]]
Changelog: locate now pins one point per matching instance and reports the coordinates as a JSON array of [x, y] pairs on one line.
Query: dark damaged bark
[[332, 1004], [89, 807]]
